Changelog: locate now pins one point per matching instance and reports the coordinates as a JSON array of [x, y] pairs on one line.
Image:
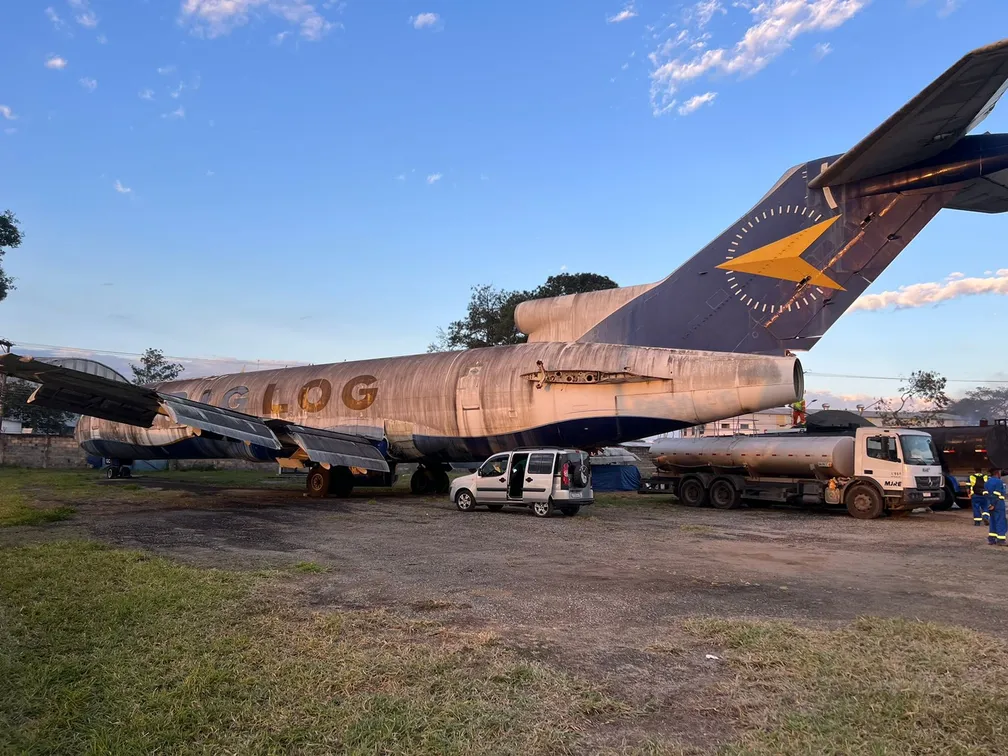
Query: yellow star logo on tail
[[782, 259]]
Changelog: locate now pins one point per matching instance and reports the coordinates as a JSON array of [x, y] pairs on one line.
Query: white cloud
[[704, 11], [401, 177], [624, 67], [821, 50], [174, 94], [433, 178], [7, 113], [425, 20], [88, 20], [626, 14], [102, 39], [948, 8], [165, 70], [214, 18], [956, 276], [279, 38], [923, 294], [54, 17], [146, 94], [120, 188], [696, 102], [777, 23], [55, 62], [89, 84], [179, 112]]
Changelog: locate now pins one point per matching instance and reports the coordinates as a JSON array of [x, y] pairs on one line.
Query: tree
[[489, 319], [154, 368], [41, 420], [10, 238], [982, 403], [923, 395]]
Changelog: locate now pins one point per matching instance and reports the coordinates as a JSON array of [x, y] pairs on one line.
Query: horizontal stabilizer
[[985, 195], [934, 120], [331, 448]]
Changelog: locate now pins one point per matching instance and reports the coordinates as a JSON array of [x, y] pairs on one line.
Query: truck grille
[[928, 481]]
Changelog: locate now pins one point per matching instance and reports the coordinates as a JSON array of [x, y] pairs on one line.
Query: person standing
[[977, 483], [998, 530]]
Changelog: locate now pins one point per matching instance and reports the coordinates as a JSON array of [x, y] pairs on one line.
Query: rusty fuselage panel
[[457, 406]]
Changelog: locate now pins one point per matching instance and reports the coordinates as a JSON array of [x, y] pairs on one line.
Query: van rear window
[[540, 464]]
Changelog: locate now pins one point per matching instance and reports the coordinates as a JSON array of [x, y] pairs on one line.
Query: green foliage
[[489, 320], [154, 368], [10, 238], [923, 395], [46, 422], [982, 403]]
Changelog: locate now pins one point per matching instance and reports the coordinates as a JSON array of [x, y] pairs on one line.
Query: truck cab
[[903, 465]]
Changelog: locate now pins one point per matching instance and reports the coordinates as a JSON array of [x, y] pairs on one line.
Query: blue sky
[[319, 182]]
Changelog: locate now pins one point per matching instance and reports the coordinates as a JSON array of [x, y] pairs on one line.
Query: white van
[[544, 479]]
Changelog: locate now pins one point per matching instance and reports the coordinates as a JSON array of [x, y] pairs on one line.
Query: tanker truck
[[868, 470]]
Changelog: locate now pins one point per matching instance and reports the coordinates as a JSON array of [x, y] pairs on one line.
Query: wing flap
[[331, 448], [223, 422], [934, 120]]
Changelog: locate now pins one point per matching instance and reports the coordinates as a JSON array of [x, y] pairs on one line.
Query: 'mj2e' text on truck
[[869, 470]]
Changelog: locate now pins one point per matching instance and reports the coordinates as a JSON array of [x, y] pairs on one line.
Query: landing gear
[[430, 480], [336, 481], [118, 469]]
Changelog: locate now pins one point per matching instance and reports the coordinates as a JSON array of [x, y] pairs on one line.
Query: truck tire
[[864, 502], [692, 492], [724, 495]]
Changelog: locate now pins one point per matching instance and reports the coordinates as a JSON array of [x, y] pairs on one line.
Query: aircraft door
[[539, 477], [468, 409], [516, 476]]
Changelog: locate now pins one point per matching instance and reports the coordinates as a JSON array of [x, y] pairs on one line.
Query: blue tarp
[[615, 478]]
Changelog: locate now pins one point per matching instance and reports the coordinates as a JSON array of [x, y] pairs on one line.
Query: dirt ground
[[596, 593]]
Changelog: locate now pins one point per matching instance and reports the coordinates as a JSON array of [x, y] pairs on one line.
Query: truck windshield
[[918, 450]]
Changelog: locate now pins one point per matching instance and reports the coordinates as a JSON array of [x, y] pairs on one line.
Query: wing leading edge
[[84, 393]]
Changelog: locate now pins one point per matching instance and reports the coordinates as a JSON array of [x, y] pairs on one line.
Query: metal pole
[[6, 347]]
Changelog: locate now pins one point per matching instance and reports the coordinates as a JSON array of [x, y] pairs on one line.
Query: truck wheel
[[692, 492], [723, 495], [864, 502]]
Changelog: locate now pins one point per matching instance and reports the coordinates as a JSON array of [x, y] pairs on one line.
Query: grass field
[[108, 650]]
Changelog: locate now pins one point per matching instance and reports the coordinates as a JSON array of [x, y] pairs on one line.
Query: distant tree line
[[489, 319]]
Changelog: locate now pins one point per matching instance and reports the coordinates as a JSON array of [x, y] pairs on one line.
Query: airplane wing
[[114, 399], [934, 120]]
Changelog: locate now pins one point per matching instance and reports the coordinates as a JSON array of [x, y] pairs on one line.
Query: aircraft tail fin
[[784, 272]]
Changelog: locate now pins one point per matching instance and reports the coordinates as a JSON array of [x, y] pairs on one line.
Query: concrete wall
[[40, 451]]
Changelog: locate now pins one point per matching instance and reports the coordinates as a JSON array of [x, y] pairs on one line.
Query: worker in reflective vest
[[996, 506], [978, 498]]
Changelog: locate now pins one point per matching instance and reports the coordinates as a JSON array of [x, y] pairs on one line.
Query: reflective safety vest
[[974, 478], [996, 488]]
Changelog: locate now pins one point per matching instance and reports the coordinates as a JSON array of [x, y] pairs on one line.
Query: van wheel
[[464, 501], [692, 492], [542, 508], [864, 502], [495, 507], [723, 495]]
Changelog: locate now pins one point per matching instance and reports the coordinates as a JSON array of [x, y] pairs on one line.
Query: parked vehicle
[[544, 479], [869, 470], [963, 449]]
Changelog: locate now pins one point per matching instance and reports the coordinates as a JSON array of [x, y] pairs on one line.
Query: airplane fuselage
[[461, 406]]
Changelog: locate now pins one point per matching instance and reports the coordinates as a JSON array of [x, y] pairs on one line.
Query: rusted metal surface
[[802, 455], [569, 317]]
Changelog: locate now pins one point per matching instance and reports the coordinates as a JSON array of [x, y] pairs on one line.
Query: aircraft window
[[494, 466], [540, 464]]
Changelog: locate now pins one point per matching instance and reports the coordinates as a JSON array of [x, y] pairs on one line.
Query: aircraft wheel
[[318, 482], [110, 472], [442, 483], [125, 472]]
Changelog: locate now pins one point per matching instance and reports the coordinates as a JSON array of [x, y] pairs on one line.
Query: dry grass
[[876, 686]]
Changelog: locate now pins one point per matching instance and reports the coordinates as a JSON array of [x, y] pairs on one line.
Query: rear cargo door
[[539, 477]]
